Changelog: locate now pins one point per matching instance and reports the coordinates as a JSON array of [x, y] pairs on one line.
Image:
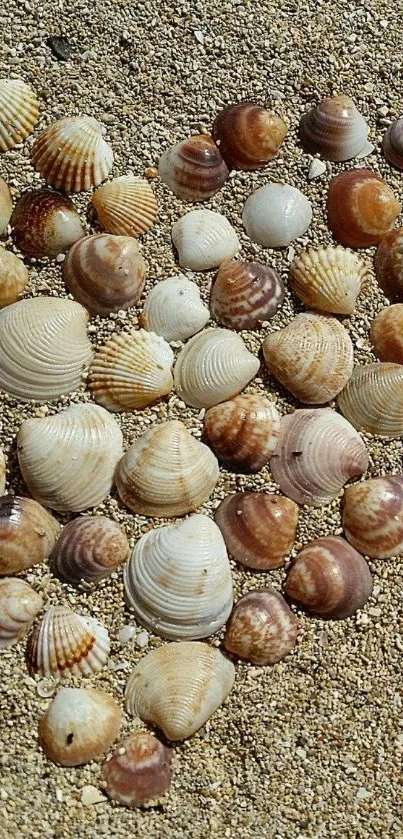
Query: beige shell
[[28, 533], [177, 687], [373, 516], [387, 334], [2, 472], [139, 771], [45, 223], [68, 460], [13, 277], [328, 278], [204, 240], [71, 154], [126, 206], [67, 644], [262, 629], [19, 606], [173, 309], [19, 112], [89, 549], [244, 431], [373, 399], [6, 206]]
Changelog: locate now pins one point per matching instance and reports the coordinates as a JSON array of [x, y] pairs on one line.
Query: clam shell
[[328, 278], [245, 294], [89, 549], [68, 460], [393, 143], [204, 239], [18, 112], [126, 206], [2, 472], [193, 169], [178, 579], [45, 223], [276, 214], [6, 206], [177, 687], [174, 310], [387, 334], [67, 644], [361, 208], [389, 264], [244, 431], [19, 606], [262, 629], [13, 277], [247, 135], [139, 770], [334, 129], [28, 533], [71, 154], [373, 516], [373, 399]]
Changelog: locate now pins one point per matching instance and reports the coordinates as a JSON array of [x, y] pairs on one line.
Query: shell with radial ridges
[[174, 310], [125, 206], [6, 206], [328, 278], [71, 154], [372, 399], [19, 112], [204, 239], [13, 278], [373, 516], [67, 644], [19, 606]]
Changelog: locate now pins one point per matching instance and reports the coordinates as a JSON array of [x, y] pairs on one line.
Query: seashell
[[79, 725], [6, 205], [13, 277], [361, 208], [389, 264], [2, 472], [373, 399], [244, 431], [193, 169], [19, 606], [393, 143], [245, 294], [139, 770], [126, 206], [334, 129], [68, 460], [44, 348], [28, 533], [89, 548], [212, 367], [248, 136], [67, 644], [373, 516], [329, 578], [262, 629], [258, 528], [178, 579], [312, 357], [71, 154], [166, 472], [19, 112], [45, 223], [328, 278], [317, 453], [276, 214], [204, 239], [177, 687], [131, 370], [387, 334], [174, 310]]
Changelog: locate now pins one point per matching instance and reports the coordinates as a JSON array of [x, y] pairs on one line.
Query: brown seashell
[[126, 206], [193, 169], [372, 399], [387, 334], [389, 265], [13, 277], [261, 628], [247, 135], [45, 223], [393, 143], [28, 533], [334, 129], [243, 431], [361, 208], [89, 549], [245, 293], [71, 154], [328, 278], [373, 516], [139, 771], [6, 206]]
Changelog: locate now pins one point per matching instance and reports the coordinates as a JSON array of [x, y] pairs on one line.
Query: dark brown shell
[[389, 265], [139, 771], [245, 294], [262, 628], [45, 223], [89, 548], [373, 516], [194, 169], [247, 135], [393, 143], [361, 208]]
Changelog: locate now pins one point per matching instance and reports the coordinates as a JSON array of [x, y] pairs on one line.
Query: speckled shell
[[28, 533], [193, 169], [334, 129], [328, 278], [6, 206], [126, 206], [245, 294], [262, 629], [389, 265], [71, 154], [177, 687], [276, 214], [2, 472], [393, 143], [13, 277], [361, 208], [173, 309], [247, 135], [373, 399], [19, 606], [204, 239], [67, 644], [373, 516], [18, 112], [79, 725], [89, 549], [244, 431], [387, 334], [45, 223], [139, 771]]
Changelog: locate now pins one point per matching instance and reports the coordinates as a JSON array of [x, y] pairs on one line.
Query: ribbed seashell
[[334, 129], [19, 112], [373, 516], [387, 334], [28, 533], [6, 206], [245, 294], [248, 135], [328, 278], [361, 208], [2, 472], [178, 579], [193, 168], [317, 453], [212, 367], [329, 579], [372, 400], [89, 549], [126, 206], [79, 725], [389, 264], [276, 214], [166, 472], [19, 606], [312, 357], [67, 644], [262, 628], [132, 370], [13, 277], [139, 771], [204, 239], [45, 223], [393, 143], [44, 348], [244, 431], [258, 528], [179, 686], [68, 460], [173, 309], [71, 154]]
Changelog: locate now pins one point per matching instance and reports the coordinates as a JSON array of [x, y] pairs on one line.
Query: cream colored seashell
[[71, 154], [178, 579], [68, 460], [2, 472], [328, 278], [43, 348], [213, 366], [204, 239], [166, 472], [276, 214], [6, 206], [18, 112], [28, 533], [174, 310], [126, 206], [13, 277], [19, 606], [67, 644], [179, 686], [131, 370], [373, 399]]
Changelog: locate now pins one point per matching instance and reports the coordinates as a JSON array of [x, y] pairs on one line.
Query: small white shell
[[6, 206], [174, 310], [276, 214], [204, 239], [67, 644], [71, 154], [18, 112], [19, 606], [126, 206], [2, 472]]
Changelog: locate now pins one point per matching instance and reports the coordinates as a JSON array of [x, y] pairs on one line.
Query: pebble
[[317, 168], [60, 47], [91, 795]]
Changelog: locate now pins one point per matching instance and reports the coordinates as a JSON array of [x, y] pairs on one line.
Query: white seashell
[[13, 277], [18, 112], [19, 606], [71, 154], [328, 278], [2, 472], [204, 239], [67, 644], [174, 310], [6, 206], [276, 214], [126, 206]]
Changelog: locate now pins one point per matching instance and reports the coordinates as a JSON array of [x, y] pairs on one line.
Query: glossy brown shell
[[389, 265], [387, 334], [262, 628], [245, 294], [373, 516], [193, 169], [247, 135], [243, 431], [45, 223], [361, 208], [27, 533], [334, 129]]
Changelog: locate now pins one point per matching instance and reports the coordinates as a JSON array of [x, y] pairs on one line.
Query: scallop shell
[[6, 206], [334, 129], [317, 453], [204, 239], [28, 533], [328, 278], [178, 579], [276, 214], [166, 472], [174, 310], [213, 366], [262, 629], [373, 399], [361, 208], [393, 143], [19, 112], [193, 169], [177, 687], [245, 294], [126, 206], [139, 770], [71, 154], [373, 516], [45, 223], [244, 431], [389, 264], [13, 277], [19, 606], [68, 460], [387, 334], [89, 549], [2, 472], [67, 644], [247, 135]]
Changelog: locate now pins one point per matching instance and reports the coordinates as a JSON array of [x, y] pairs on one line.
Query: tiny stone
[[46, 688], [151, 172], [142, 639], [60, 47], [199, 35], [59, 795], [126, 634], [91, 795], [60, 257], [363, 793], [290, 253], [316, 168]]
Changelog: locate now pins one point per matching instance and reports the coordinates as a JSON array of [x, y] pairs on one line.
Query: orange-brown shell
[[243, 431], [194, 169], [262, 628], [45, 223], [245, 294], [373, 516], [28, 533], [389, 265], [139, 770], [361, 208], [387, 334], [248, 135]]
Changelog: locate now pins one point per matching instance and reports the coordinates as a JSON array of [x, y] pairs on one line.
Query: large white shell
[[19, 606], [67, 644], [2, 472], [71, 154], [276, 214], [204, 239], [18, 112], [6, 206], [174, 310], [126, 206]]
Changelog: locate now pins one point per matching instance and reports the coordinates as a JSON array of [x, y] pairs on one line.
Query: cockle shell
[[79, 725], [67, 644], [166, 472], [44, 348], [89, 549], [2, 472], [212, 367], [19, 606], [373, 399], [13, 277], [71, 154], [173, 309], [329, 578], [373, 516], [139, 770], [361, 208], [193, 168], [68, 460], [6, 206], [204, 239], [334, 128], [177, 687], [45, 223], [312, 357], [262, 628], [387, 334], [328, 278], [126, 206], [389, 264], [276, 214], [317, 453], [28, 533], [178, 579], [248, 135], [245, 294], [244, 431], [393, 143], [132, 370], [19, 112]]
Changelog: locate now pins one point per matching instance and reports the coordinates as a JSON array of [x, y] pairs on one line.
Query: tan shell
[[193, 169], [245, 294], [126, 206], [67, 644], [13, 277], [262, 629], [139, 771], [71, 154], [28, 533], [243, 431], [89, 549], [387, 334], [19, 606], [19, 112], [173, 309], [389, 265], [45, 223], [79, 725], [2, 472], [6, 206], [328, 278], [373, 399], [334, 128], [373, 516]]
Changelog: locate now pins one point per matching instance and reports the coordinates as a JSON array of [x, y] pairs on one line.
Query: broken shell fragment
[[328, 278], [174, 310], [13, 278], [248, 135], [139, 771], [204, 239], [361, 208], [125, 206], [45, 223], [262, 628], [372, 399], [67, 644], [89, 549], [193, 169], [28, 533], [389, 264], [19, 606], [387, 334], [71, 154], [245, 294], [334, 129], [276, 214], [244, 431], [373, 516], [19, 112], [393, 143], [6, 206]]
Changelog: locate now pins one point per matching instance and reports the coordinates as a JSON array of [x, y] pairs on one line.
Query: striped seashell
[[28, 533], [361, 208], [244, 431], [245, 294], [387, 334], [2, 472], [139, 771], [262, 629], [6, 206], [248, 136], [89, 549], [393, 143], [328, 278], [373, 399], [334, 129], [389, 265], [45, 223], [19, 112], [193, 169], [276, 214], [13, 277], [19, 606], [67, 644], [71, 154], [126, 206], [373, 516], [204, 239], [173, 309]]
